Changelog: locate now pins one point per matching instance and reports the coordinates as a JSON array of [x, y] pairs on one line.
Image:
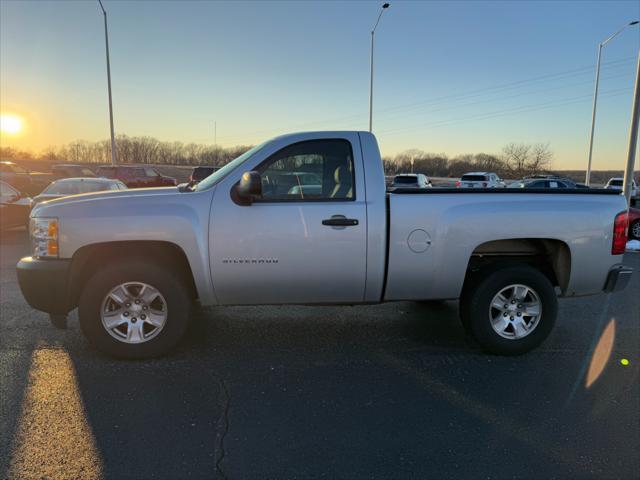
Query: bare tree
[[541, 158], [489, 163], [516, 156]]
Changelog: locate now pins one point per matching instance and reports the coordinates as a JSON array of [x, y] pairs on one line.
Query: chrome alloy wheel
[[134, 312], [635, 229], [515, 311]]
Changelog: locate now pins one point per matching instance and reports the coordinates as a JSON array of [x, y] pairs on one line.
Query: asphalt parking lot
[[388, 391]]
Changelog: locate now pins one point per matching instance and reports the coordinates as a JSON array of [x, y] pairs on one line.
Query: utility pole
[[633, 136], [114, 154]]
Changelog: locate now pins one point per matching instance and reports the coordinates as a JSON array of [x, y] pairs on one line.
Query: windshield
[[474, 178], [215, 177], [616, 183], [405, 180], [74, 188]]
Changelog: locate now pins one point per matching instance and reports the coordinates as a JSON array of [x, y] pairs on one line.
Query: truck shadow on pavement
[[171, 417]]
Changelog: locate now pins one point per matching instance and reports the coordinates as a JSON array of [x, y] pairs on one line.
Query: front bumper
[[618, 278], [44, 283]]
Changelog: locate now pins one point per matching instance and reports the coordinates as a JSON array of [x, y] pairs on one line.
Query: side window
[[108, 172], [7, 191], [317, 170], [553, 184], [150, 172]]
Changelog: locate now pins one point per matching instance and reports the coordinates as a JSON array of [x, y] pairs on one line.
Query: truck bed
[[546, 191], [432, 240]]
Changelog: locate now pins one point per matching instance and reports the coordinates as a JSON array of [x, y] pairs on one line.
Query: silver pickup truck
[[306, 219]]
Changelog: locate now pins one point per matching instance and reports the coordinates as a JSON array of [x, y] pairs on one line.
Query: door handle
[[340, 222]]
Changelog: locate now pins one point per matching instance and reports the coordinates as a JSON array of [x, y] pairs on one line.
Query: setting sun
[[10, 124]]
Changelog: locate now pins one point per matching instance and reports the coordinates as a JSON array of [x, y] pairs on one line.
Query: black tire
[[476, 300], [169, 283], [634, 226]]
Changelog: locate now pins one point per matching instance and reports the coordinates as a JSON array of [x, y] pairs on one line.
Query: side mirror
[[250, 186]]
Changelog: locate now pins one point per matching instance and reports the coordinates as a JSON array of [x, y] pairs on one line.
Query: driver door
[[304, 240]]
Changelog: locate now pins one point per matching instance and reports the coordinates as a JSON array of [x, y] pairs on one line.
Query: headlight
[[44, 237]]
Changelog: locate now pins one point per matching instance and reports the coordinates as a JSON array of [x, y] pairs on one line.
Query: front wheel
[[134, 309], [511, 310]]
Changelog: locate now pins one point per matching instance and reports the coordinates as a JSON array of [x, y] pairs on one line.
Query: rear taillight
[[458, 183], [620, 228]]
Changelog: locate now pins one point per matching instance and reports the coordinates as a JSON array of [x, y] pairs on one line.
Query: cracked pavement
[[386, 391]]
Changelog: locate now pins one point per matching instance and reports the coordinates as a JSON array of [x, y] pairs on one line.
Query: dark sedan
[[14, 207], [550, 182], [22, 179], [137, 177]]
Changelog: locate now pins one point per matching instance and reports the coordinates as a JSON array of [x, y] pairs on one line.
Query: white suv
[[480, 180], [411, 180], [615, 183]]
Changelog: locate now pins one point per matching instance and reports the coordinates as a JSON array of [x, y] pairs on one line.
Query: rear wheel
[[509, 310], [134, 309], [634, 230]]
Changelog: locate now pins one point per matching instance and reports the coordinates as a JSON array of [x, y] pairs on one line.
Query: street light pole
[[593, 116], [373, 32], [595, 97], [114, 154]]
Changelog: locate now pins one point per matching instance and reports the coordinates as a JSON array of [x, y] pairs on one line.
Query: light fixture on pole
[[114, 154], [373, 32], [595, 96]]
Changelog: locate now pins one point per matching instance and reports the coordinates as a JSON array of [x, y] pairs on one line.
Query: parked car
[[136, 177], [409, 180], [480, 180], [22, 179], [539, 183], [69, 170], [634, 223], [200, 173], [134, 262], [616, 184], [14, 207], [75, 186], [567, 182]]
